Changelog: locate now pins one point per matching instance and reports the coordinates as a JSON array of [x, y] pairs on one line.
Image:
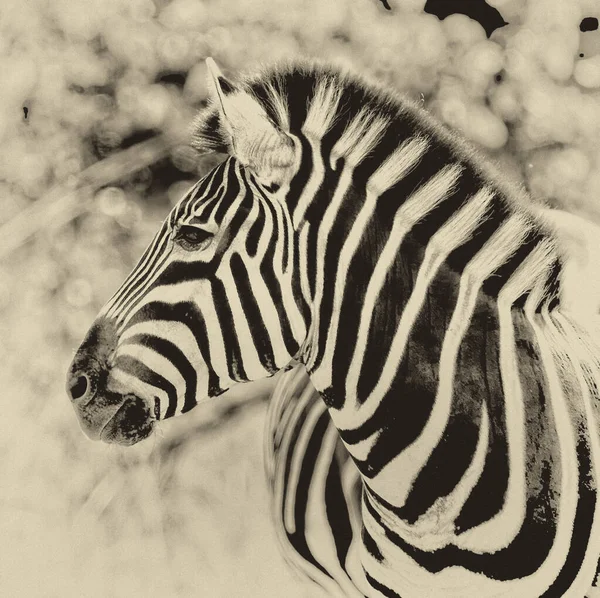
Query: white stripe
[[415, 456], [323, 109], [319, 534], [454, 233], [580, 350], [403, 160], [450, 506], [421, 202], [298, 451], [216, 345], [163, 367], [408, 156], [139, 279], [499, 531], [361, 136], [250, 359], [129, 383], [322, 237], [304, 282], [314, 182], [279, 106], [291, 308]]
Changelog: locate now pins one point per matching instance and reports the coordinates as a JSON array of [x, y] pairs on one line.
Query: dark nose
[[83, 376], [79, 386], [90, 362]]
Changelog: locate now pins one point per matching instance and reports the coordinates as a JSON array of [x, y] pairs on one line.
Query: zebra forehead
[[200, 200]]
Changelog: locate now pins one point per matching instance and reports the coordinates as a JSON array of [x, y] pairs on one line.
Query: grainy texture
[[96, 76]]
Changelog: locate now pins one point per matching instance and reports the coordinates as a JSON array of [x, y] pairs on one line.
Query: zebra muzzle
[[130, 424], [103, 412], [110, 416]]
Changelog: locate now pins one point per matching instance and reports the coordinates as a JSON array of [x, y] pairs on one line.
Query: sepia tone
[[98, 108]]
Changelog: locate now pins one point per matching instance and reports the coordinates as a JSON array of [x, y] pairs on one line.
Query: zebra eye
[[190, 237]]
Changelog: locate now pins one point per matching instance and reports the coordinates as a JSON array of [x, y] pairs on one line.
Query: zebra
[[434, 431]]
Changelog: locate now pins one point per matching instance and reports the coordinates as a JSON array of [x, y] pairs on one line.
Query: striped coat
[[449, 331]]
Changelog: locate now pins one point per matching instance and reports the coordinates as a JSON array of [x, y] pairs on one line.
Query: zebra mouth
[[130, 424]]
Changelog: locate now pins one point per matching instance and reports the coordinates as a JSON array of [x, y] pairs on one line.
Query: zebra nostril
[[79, 386]]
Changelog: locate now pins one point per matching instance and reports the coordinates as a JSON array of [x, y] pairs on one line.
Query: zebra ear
[[253, 138], [219, 88]]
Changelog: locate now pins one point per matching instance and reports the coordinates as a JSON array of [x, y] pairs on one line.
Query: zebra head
[[214, 300]]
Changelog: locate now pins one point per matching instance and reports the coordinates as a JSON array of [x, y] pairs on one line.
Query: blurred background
[[96, 98]]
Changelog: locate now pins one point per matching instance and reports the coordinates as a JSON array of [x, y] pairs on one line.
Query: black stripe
[[309, 458], [398, 130], [178, 271], [171, 352], [142, 270], [346, 215], [352, 99], [582, 528], [273, 283], [206, 188], [390, 304], [208, 134], [406, 407], [532, 541], [141, 371], [233, 354], [256, 323], [467, 184], [435, 158], [314, 216], [188, 314], [487, 497], [204, 211], [337, 510], [143, 286], [378, 229], [287, 236], [551, 288], [232, 189], [380, 587], [368, 251], [493, 285], [296, 280], [370, 545], [301, 177], [441, 474], [278, 228], [254, 234], [296, 86]]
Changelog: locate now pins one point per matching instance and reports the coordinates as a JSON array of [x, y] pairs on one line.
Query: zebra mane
[[316, 97], [293, 91]]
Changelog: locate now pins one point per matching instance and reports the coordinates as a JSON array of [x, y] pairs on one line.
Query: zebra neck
[[436, 333], [377, 238]]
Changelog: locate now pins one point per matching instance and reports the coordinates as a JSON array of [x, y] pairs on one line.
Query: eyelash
[[190, 237]]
